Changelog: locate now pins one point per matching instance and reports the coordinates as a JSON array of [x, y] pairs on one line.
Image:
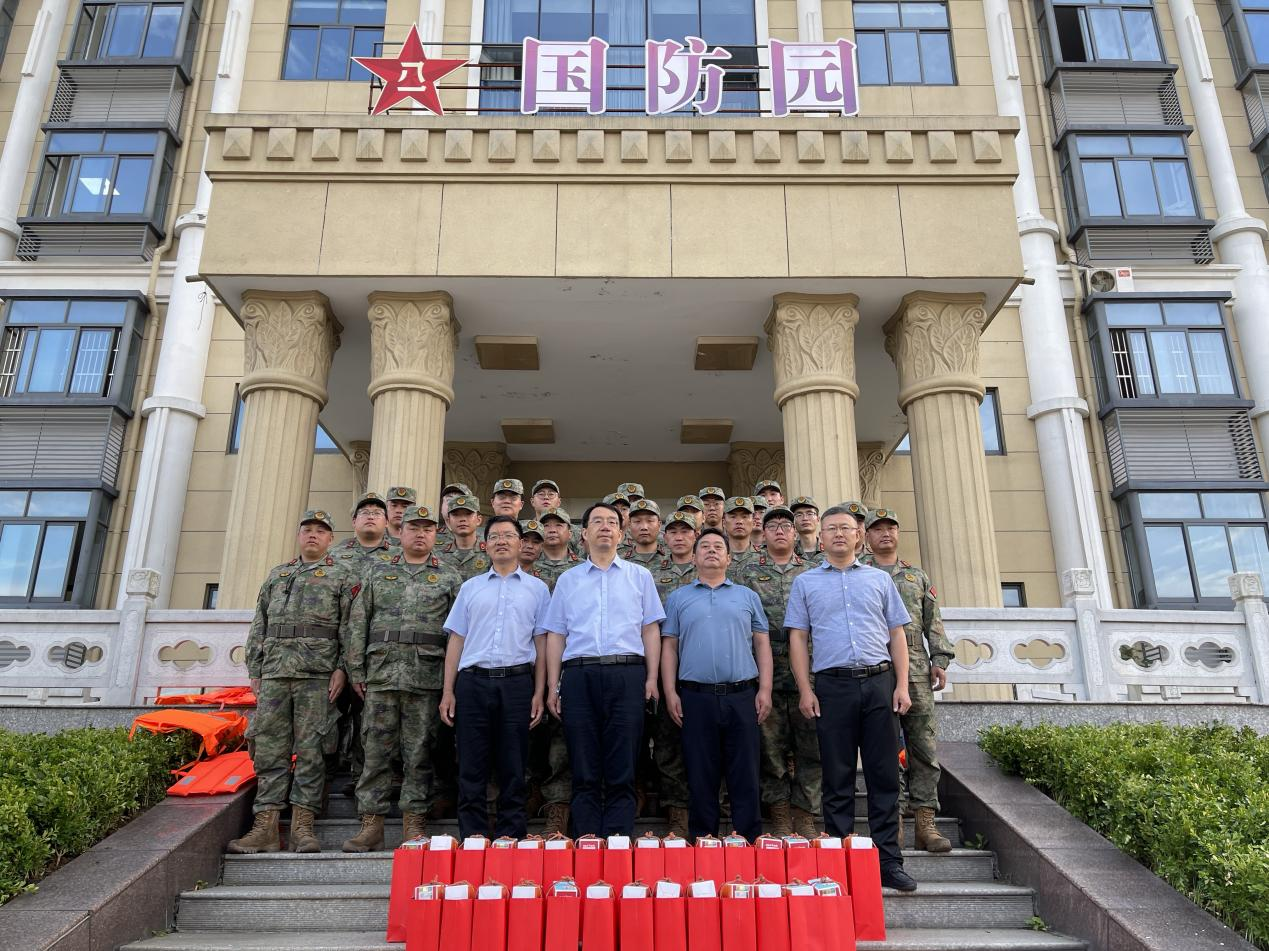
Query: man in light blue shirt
[[853, 617], [495, 677], [603, 654], [716, 672]]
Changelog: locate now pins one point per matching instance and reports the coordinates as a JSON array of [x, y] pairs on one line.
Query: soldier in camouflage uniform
[[464, 552], [738, 523], [546, 495], [806, 520], [396, 659], [929, 653], [673, 571], [756, 538], [400, 498], [645, 530], [788, 738], [769, 491], [448, 491], [295, 658], [712, 499], [632, 491], [507, 498], [693, 507], [531, 539]]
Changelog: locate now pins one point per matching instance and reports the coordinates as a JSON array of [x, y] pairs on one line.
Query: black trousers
[[602, 708], [720, 735], [857, 722], [491, 723]]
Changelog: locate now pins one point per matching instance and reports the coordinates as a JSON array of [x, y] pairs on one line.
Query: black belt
[[606, 660], [780, 636], [419, 638], [718, 689], [301, 630], [857, 672], [499, 672]]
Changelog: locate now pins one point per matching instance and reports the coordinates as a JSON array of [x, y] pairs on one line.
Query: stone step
[[897, 939], [333, 832], [364, 907], [343, 807], [336, 868]]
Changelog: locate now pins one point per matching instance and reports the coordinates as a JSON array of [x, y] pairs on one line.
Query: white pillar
[[432, 25], [28, 113], [1239, 238], [810, 22], [1057, 409], [1249, 597], [175, 408]]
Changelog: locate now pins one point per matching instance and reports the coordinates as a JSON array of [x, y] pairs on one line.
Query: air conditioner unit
[[1102, 280]]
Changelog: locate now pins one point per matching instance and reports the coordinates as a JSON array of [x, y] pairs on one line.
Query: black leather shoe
[[898, 879]]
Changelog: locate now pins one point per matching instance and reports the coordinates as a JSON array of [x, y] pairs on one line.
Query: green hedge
[[61, 794], [1192, 804]]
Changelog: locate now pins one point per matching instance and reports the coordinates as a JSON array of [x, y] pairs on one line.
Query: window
[[104, 174], [625, 25], [1092, 32], [129, 31], [1246, 26], [1013, 594], [324, 442], [1133, 178], [989, 421], [45, 544], [1164, 348], [323, 35], [904, 44], [1189, 544], [8, 12], [211, 595]]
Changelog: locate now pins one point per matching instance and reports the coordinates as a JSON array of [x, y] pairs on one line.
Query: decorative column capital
[[413, 338], [872, 457], [475, 464], [290, 340], [812, 337], [749, 462], [359, 457], [933, 341]]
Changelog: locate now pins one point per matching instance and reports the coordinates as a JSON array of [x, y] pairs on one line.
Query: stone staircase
[[336, 902]]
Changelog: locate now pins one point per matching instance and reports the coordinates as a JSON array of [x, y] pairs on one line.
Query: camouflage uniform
[[651, 560], [298, 638], [549, 764], [403, 678], [353, 554], [467, 562], [813, 558], [919, 723], [787, 736], [667, 737]]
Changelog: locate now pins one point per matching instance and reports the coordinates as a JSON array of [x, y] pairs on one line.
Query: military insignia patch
[[433, 578], [506, 483], [764, 577], [319, 573], [667, 580], [285, 574], [481, 563], [933, 594], [389, 577], [909, 576]]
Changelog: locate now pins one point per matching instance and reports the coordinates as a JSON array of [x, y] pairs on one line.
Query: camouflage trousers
[[789, 757], [397, 723], [919, 783], [667, 754], [554, 775], [293, 715]]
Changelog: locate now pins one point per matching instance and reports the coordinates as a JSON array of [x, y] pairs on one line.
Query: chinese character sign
[[673, 75], [564, 75], [813, 77]]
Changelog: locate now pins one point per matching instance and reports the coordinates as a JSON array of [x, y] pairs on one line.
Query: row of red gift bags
[[666, 917]]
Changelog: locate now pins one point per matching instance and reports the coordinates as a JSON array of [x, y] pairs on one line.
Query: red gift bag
[[527, 864], [588, 867], [423, 920], [407, 874], [489, 919], [526, 919], [469, 864], [557, 863], [669, 921], [769, 864], [863, 869], [800, 865], [456, 917], [438, 861], [843, 911], [618, 864], [599, 918], [635, 918], [500, 865], [740, 862], [772, 914], [710, 864], [809, 929], [563, 922], [649, 863], [739, 923], [704, 922], [680, 864]]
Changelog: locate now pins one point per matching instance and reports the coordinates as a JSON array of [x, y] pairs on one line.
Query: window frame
[[82, 574], [886, 32], [1242, 51], [233, 442], [1133, 525], [1019, 588], [128, 343], [990, 394], [182, 55], [352, 72], [1045, 12]]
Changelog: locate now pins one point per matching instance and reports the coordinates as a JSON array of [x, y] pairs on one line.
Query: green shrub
[[61, 794], [1192, 803]]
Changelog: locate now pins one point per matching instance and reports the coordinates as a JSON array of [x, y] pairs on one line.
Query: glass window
[[1138, 176], [1013, 594], [906, 43], [8, 12], [324, 441], [18, 546], [989, 420], [1169, 505], [1168, 562], [1232, 505], [128, 31], [44, 535], [324, 35], [103, 174], [41, 353], [1104, 32], [1182, 358]]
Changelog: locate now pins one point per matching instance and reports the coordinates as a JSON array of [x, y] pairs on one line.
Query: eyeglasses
[[779, 527], [839, 529], [502, 537]]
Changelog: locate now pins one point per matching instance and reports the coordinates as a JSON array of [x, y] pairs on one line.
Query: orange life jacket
[[226, 773], [224, 697], [220, 729]]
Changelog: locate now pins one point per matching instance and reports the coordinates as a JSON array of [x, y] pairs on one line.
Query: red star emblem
[[409, 75]]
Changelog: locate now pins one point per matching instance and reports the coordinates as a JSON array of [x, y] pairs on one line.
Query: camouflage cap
[[804, 502], [645, 505], [321, 516], [739, 503], [680, 518], [557, 513], [777, 511], [690, 502], [767, 484], [402, 493], [631, 490], [369, 498], [612, 498], [419, 513], [711, 492], [881, 515], [855, 508], [759, 503], [544, 482], [467, 502], [531, 526], [508, 485], [459, 488]]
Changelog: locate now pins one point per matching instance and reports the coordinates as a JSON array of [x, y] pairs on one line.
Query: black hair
[[602, 505], [705, 534], [503, 520]]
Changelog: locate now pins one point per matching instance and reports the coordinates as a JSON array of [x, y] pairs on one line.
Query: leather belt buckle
[[609, 658], [721, 690], [496, 672]]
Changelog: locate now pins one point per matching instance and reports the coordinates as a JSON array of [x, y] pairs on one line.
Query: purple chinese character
[[813, 77], [672, 77], [563, 75]]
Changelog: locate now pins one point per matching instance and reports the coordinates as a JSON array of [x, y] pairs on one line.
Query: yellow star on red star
[[409, 75]]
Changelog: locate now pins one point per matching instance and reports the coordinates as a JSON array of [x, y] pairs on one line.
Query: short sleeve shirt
[[603, 611], [715, 628], [498, 616], [849, 613]]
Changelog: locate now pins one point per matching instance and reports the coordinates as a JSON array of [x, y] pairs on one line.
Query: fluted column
[[812, 338], [934, 342], [290, 340], [412, 342]]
